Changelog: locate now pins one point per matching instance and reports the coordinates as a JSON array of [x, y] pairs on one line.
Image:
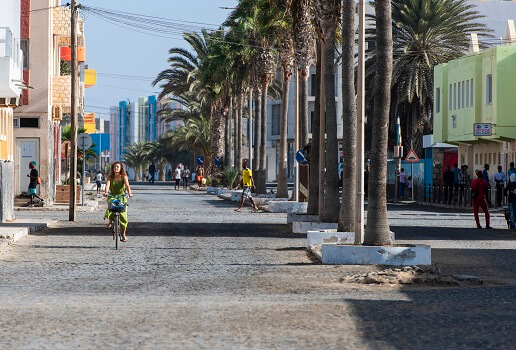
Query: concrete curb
[[11, 232], [89, 205]]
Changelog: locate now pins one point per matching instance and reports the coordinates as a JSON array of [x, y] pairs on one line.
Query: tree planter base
[[291, 217], [333, 237], [398, 255], [305, 226], [285, 206]]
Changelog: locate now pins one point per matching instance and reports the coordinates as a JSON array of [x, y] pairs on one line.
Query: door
[[27, 150]]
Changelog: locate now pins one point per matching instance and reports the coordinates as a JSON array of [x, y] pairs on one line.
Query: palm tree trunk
[[161, 171], [331, 198], [349, 119], [303, 107], [313, 197], [282, 191], [217, 132], [229, 136], [261, 187], [238, 129], [377, 230], [257, 130], [235, 131]]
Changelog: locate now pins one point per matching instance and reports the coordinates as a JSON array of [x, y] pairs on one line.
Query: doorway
[[27, 151]]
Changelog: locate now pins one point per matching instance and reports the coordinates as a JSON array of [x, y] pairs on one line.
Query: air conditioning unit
[[16, 122]]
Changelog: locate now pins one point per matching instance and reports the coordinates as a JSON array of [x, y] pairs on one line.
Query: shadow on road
[[424, 233]]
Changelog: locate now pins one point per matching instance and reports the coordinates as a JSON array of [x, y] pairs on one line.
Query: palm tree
[[328, 18], [425, 33], [313, 191], [349, 118], [377, 230], [157, 151], [135, 156], [194, 137]]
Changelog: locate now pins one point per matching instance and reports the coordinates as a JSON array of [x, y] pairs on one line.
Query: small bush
[[229, 176]]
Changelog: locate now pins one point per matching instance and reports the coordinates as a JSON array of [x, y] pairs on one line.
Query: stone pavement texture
[[197, 275]]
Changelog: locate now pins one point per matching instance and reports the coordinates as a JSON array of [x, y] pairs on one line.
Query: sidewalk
[[11, 232]]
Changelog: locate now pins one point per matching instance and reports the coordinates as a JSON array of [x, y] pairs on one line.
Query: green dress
[[117, 188]]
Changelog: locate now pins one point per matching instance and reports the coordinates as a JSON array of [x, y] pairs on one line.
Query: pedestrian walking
[[199, 173], [98, 181], [499, 178], [511, 170], [478, 194], [403, 182], [177, 177], [485, 176], [33, 184], [247, 185], [409, 185], [169, 175], [152, 172], [117, 183], [510, 193], [464, 182], [448, 179], [456, 172], [185, 174]]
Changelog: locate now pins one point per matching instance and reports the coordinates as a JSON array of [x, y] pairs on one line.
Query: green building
[[478, 89]]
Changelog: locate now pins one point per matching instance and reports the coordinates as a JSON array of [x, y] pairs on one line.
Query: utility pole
[[72, 213], [359, 207]]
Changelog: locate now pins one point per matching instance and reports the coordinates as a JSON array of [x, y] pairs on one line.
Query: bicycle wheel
[[117, 230]]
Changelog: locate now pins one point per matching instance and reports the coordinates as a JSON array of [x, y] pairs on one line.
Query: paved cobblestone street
[[196, 274]]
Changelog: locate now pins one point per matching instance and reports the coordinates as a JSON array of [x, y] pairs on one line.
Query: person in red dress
[[478, 194]]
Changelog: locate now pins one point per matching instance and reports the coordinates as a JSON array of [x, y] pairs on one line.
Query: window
[[463, 88], [489, 89], [454, 95], [313, 82], [438, 100], [471, 93], [24, 46], [458, 97], [29, 122], [450, 98], [276, 116], [467, 93]]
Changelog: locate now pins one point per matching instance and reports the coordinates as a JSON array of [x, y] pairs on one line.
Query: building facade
[[478, 89], [11, 83]]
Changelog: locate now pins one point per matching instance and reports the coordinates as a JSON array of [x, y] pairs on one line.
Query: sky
[[117, 51]]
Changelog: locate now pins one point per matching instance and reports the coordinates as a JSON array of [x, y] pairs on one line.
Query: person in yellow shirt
[[247, 185]]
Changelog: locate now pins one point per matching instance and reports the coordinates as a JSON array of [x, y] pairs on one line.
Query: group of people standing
[[456, 182]]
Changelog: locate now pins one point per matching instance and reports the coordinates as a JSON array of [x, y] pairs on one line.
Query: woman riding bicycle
[[117, 184]]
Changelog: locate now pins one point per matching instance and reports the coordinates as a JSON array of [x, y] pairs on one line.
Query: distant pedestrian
[[33, 184], [511, 170], [247, 185], [98, 181], [177, 177], [403, 182], [485, 176], [152, 172], [185, 175], [456, 172], [510, 193], [409, 185], [478, 194], [464, 182], [169, 175], [448, 179], [499, 178], [199, 173]]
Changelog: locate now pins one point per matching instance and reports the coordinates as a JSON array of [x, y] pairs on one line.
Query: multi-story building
[[11, 64], [46, 40], [474, 105]]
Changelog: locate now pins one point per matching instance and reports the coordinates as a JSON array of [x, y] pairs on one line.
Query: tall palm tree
[[349, 118], [313, 191], [135, 156], [425, 33], [328, 18], [377, 230], [194, 136], [157, 151]]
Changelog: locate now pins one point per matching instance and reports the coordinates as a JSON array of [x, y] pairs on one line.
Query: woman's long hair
[[112, 171]]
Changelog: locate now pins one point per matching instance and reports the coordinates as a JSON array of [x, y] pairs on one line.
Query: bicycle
[[116, 205]]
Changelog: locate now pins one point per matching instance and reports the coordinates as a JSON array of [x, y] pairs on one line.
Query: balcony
[[10, 65]]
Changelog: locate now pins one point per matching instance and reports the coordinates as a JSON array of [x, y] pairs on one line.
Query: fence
[[453, 195]]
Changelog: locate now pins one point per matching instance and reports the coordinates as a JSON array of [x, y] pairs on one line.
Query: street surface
[[196, 274]]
